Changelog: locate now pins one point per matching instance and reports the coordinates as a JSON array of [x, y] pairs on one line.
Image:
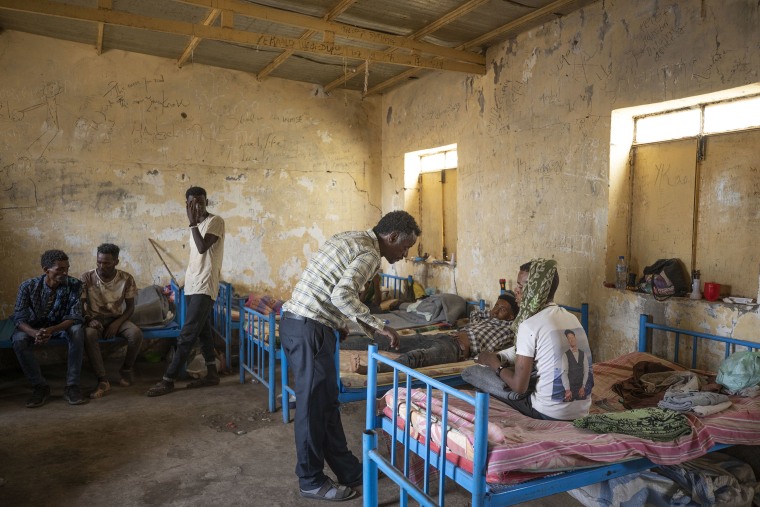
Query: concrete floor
[[207, 447]]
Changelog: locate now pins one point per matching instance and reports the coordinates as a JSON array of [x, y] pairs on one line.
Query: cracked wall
[[102, 148], [533, 139]]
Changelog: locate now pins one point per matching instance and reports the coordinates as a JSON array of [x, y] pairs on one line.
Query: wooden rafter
[[102, 4], [517, 24], [308, 34], [427, 30], [240, 36], [347, 31], [194, 41]]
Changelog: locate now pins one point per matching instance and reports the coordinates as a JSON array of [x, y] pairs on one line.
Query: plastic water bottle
[[621, 273]]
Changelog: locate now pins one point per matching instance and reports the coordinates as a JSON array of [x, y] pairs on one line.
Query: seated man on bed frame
[[487, 331], [542, 328]]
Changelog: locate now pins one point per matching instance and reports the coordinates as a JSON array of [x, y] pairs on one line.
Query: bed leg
[[369, 469], [285, 394]]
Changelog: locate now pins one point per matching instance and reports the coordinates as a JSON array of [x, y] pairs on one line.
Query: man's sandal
[[163, 387], [203, 382], [330, 492]]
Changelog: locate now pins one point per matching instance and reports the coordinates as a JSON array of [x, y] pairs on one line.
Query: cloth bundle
[[651, 423], [263, 304]]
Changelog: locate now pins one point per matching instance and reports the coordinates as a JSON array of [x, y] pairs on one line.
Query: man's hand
[[95, 324], [193, 212], [42, 336], [489, 359], [112, 330], [392, 334]]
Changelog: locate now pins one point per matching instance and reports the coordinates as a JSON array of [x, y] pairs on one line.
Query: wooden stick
[[153, 244]]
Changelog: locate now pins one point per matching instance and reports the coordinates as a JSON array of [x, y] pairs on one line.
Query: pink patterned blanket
[[521, 444]]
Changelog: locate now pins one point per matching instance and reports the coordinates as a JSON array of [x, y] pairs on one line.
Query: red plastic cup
[[712, 291]]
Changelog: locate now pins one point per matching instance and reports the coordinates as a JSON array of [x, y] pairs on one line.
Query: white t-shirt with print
[[204, 270], [543, 338]]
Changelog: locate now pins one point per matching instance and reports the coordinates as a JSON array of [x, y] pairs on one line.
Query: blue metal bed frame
[[345, 395], [395, 284], [222, 318], [259, 350], [151, 333], [482, 493]]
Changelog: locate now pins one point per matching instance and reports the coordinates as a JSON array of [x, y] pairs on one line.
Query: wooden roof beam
[[432, 27], [237, 36], [518, 23], [347, 31], [194, 41], [514, 25], [336, 11], [102, 4]]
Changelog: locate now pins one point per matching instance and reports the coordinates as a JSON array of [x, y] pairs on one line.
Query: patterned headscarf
[[536, 293]]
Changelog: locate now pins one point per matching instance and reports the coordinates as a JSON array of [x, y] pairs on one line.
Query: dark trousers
[[319, 436], [197, 326]]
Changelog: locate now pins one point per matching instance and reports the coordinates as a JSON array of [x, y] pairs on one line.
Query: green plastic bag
[[740, 370]]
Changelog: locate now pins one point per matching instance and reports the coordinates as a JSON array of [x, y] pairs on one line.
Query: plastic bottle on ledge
[[502, 285], [621, 273], [695, 293]]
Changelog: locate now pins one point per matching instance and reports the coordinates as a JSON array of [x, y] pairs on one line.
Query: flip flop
[[330, 492]]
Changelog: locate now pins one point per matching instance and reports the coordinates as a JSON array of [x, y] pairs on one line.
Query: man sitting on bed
[[541, 342], [487, 331]]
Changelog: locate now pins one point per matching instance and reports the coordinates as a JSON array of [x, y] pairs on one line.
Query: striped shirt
[[487, 333], [328, 291], [32, 303]]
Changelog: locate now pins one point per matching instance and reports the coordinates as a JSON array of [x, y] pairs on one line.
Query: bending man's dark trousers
[[319, 436]]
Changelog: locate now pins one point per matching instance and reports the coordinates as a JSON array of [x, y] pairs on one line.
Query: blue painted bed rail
[[397, 467], [149, 333], [259, 352], [222, 318]]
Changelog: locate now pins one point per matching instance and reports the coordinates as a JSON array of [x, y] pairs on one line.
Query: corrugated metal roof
[[394, 36]]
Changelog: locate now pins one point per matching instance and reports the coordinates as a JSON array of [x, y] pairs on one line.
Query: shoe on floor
[[203, 382], [127, 379], [331, 492], [354, 483], [39, 396], [163, 387], [102, 389], [73, 395]]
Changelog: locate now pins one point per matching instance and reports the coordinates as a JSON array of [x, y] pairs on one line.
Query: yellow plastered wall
[[536, 174], [287, 166], [102, 148]]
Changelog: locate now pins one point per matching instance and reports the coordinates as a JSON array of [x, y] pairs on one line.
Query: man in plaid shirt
[[486, 331], [323, 300], [47, 306]]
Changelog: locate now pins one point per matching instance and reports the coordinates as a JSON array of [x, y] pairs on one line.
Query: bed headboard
[[582, 310], [646, 328], [395, 284]]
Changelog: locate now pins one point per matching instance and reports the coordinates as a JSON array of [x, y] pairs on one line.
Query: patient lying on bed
[[485, 332]]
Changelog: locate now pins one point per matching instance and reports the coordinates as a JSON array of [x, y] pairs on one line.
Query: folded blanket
[[681, 381], [711, 409], [633, 392], [263, 303], [651, 423], [684, 402]]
